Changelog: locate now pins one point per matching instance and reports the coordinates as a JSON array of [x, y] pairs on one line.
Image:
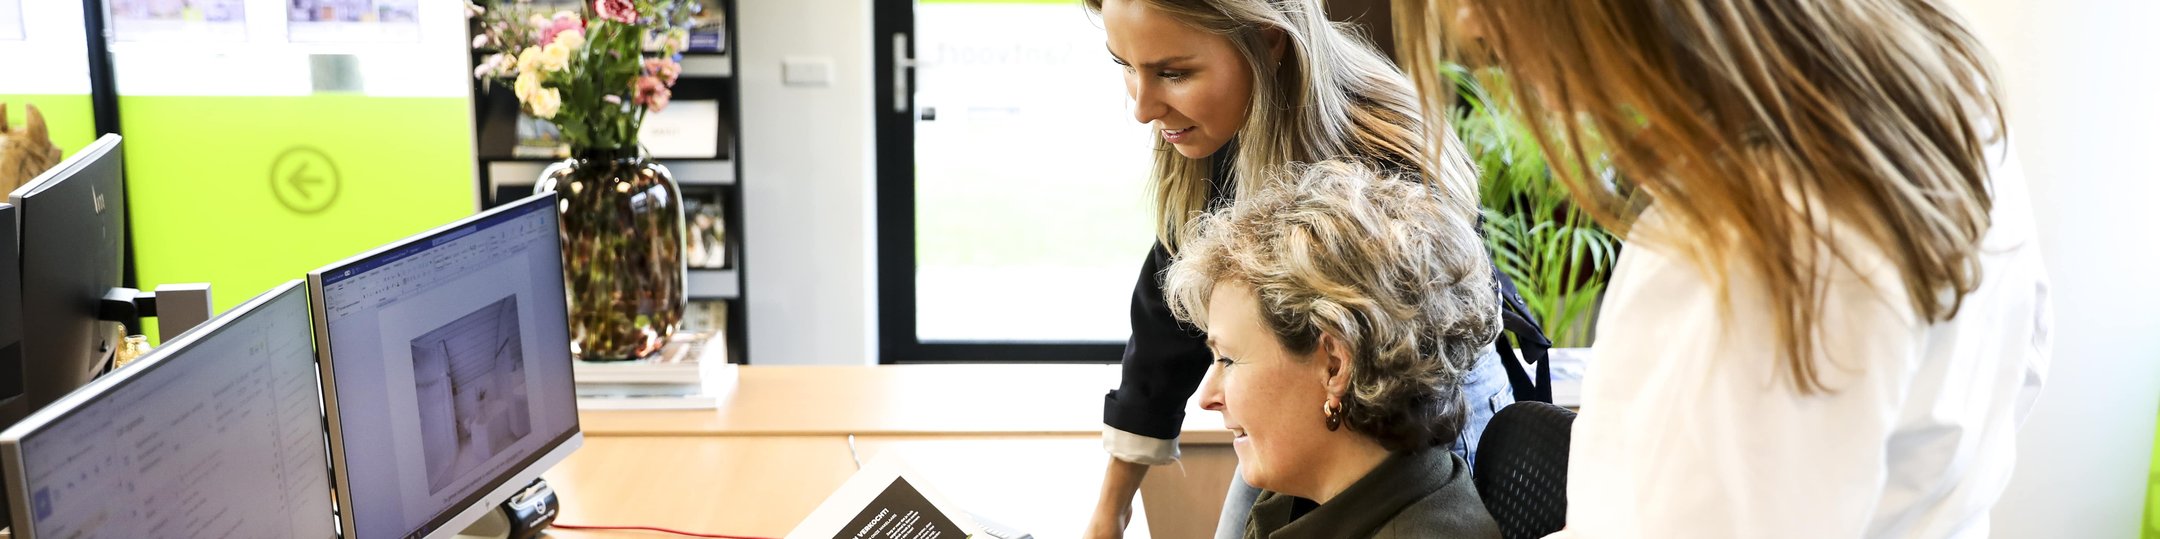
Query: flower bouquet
[[594, 72]]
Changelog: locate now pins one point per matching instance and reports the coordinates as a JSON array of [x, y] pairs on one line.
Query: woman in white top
[[1831, 314]]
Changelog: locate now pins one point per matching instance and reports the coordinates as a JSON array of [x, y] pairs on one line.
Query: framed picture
[[178, 20], [352, 20]]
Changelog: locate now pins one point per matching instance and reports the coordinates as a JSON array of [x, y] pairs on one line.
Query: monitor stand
[[523, 516], [178, 307], [493, 525]]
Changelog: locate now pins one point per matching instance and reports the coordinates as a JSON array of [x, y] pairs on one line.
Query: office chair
[[1521, 470]]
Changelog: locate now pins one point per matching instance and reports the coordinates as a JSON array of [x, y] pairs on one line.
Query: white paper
[[683, 130]]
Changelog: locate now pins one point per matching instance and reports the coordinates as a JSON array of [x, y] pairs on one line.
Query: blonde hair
[[1752, 123], [1381, 264], [1332, 95]]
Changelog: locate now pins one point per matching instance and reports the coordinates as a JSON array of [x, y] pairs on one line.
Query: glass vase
[[622, 237]]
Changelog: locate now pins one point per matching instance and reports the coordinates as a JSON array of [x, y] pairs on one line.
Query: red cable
[[652, 529]]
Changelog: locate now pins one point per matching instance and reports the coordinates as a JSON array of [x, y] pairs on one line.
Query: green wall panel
[[68, 118], [249, 192], [2152, 491]]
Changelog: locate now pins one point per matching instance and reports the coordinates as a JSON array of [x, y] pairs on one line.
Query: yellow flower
[[527, 84], [528, 60], [545, 103], [554, 57], [570, 39]]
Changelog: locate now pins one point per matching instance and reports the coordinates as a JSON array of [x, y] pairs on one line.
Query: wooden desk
[[763, 486], [734, 485], [1020, 444], [899, 399]]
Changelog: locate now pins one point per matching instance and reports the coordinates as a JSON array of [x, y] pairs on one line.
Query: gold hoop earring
[[1333, 410]]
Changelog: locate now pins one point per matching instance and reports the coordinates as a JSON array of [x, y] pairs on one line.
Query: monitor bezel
[[11, 299], [11, 456], [66, 168], [471, 508]]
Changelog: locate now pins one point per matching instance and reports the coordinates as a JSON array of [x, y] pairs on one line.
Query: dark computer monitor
[[10, 320], [446, 371], [72, 232], [216, 433]]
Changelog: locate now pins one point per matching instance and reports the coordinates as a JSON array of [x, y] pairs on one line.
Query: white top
[[1689, 427]]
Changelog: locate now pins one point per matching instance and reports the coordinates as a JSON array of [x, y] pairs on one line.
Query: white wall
[[2084, 97], [51, 57], [808, 196]]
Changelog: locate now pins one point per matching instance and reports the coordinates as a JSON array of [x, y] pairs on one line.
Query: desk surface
[[899, 400], [1020, 444], [762, 486]]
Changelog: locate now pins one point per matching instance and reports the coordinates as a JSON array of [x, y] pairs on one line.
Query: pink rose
[[563, 22], [650, 92], [664, 69], [621, 11]]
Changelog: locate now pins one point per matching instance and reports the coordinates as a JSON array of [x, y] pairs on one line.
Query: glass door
[[1014, 211]]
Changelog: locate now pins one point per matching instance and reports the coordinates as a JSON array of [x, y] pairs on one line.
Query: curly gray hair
[[1394, 273]]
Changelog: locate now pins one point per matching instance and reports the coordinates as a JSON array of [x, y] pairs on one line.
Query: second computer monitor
[[218, 433], [446, 371]]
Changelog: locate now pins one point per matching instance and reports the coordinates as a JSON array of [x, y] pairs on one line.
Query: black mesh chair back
[[1521, 470]]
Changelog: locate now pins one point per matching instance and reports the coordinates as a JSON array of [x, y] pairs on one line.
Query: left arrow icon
[[304, 180], [301, 180]]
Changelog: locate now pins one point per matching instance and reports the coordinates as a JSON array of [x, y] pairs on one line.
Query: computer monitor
[[72, 220], [446, 371], [10, 321], [217, 433]]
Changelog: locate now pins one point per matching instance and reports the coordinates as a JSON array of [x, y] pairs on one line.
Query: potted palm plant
[[1558, 257]]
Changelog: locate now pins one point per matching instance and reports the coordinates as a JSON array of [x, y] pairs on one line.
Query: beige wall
[[808, 196]]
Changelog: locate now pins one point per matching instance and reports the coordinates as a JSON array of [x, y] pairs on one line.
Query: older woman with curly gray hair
[[1343, 309]]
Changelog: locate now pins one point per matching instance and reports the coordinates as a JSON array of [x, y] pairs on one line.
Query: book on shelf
[[708, 28], [686, 129], [707, 220], [536, 138]]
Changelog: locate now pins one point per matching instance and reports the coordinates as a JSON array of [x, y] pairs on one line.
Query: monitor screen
[[447, 362], [218, 433]]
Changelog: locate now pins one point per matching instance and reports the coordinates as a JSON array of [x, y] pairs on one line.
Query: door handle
[[902, 66]]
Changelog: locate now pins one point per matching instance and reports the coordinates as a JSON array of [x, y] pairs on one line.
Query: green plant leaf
[[1558, 257]]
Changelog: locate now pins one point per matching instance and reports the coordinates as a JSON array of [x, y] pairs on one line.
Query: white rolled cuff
[[1139, 449]]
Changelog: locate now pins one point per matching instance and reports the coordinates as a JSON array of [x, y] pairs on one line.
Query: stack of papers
[[692, 372]]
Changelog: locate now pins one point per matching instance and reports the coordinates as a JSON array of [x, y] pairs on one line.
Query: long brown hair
[[1751, 124], [1333, 95]]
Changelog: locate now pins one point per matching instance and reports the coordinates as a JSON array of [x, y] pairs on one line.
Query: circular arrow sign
[[304, 180]]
